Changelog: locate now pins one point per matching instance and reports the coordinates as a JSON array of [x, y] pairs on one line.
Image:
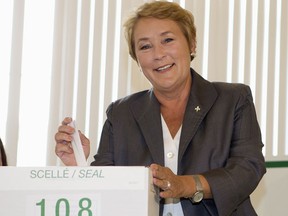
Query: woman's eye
[[167, 40], [144, 47]]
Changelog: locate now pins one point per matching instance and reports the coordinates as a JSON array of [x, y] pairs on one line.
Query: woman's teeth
[[163, 68]]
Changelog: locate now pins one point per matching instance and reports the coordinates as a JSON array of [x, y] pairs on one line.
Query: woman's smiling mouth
[[160, 69]]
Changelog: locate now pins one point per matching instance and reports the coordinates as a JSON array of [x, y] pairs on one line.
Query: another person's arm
[[3, 157]]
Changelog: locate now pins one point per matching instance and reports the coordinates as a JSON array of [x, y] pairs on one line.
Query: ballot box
[[77, 191]]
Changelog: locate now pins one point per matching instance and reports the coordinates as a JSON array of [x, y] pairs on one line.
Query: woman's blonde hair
[[161, 10]]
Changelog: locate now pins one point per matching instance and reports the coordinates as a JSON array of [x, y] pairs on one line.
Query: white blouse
[[172, 206]]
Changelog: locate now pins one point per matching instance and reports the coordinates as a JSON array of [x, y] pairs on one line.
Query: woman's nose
[[159, 52]]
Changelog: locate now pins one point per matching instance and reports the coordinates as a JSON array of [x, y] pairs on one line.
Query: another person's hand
[[63, 140], [171, 185]]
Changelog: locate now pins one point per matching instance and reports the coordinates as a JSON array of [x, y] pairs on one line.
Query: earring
[[192, 55]]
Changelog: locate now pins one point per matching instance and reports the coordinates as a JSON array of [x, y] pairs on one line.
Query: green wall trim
[[276, 164]]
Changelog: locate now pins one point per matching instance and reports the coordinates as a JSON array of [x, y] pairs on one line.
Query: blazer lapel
[[202, 97], [146, 111]]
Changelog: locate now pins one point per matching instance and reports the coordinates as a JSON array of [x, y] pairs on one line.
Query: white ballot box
[[77, 191]]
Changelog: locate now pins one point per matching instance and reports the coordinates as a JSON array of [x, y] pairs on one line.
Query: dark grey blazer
[[222, 141]]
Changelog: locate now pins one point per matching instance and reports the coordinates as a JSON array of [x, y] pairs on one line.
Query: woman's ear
[[193, 50], [193, 47]]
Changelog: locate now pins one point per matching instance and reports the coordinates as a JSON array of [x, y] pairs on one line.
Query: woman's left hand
[[171, 185]]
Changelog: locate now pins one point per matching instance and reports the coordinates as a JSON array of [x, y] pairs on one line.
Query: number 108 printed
[[64, 206]]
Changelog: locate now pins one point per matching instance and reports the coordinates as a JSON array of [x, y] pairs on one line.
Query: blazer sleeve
[[245, 166], [105, 152]]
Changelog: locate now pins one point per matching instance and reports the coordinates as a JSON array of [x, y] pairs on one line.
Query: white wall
[[270, 197]]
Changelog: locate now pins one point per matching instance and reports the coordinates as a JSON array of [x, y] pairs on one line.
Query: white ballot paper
[[77, 146]]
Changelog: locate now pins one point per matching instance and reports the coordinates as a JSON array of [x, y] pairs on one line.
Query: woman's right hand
[[63, 140]]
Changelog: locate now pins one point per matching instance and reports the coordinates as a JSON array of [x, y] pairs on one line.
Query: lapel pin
[[197, 109]]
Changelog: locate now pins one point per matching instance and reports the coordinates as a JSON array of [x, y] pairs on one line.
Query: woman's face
[[163, 53]]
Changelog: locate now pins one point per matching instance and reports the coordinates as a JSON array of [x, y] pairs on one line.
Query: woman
[[201, 140]]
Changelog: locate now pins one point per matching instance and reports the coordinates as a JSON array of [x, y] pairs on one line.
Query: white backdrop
[[69, 58]]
